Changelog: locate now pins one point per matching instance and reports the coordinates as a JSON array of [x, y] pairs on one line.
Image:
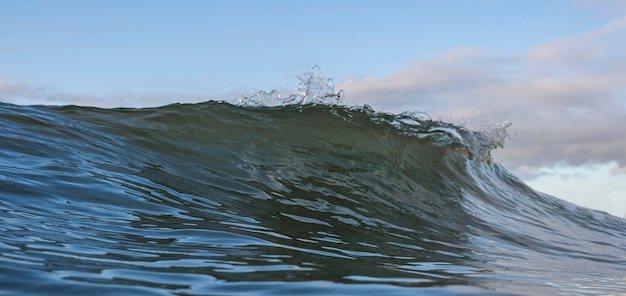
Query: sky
[[555, 69]]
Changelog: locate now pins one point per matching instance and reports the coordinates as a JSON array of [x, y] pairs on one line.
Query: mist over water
[[303, 195]]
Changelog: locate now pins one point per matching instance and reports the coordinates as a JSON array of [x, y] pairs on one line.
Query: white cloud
[[592, 186], [566, 98], [579, 49], [618, 170]]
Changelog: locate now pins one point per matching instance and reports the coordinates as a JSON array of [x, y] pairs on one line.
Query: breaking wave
[[282, 196]]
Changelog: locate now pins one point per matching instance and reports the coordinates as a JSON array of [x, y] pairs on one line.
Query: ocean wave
[[299, 194]]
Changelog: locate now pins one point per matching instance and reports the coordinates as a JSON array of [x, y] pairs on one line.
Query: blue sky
[[212, 47], [553, 68]]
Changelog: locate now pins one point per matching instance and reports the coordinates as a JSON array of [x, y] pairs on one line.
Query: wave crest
[[315, 89]]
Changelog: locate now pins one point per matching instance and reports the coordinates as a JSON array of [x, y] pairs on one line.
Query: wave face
[[219, 199]]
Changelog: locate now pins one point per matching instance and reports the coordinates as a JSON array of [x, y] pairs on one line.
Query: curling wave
[[301, 195]]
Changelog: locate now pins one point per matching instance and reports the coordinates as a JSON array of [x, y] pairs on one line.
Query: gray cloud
[[566, 98]]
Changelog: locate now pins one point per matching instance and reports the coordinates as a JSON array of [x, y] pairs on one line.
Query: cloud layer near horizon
[[22, 94], [566, 98]]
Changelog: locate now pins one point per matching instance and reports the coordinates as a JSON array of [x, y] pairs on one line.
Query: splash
[[313, 88]]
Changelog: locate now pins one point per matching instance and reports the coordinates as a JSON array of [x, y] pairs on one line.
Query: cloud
[[605, 7], [9, 88], [566, 98], [7, 49], [21, 94], [618, 170]]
